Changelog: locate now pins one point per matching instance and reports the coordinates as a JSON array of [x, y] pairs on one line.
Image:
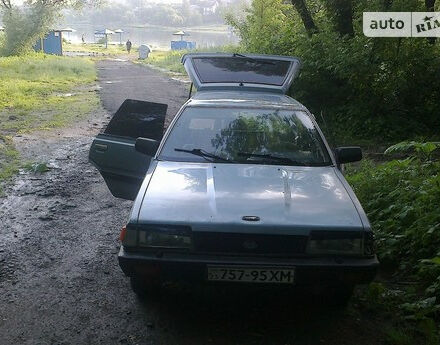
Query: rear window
[[241, 70]]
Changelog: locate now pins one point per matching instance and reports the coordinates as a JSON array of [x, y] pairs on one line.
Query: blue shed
[[52, 43], [180, 45]]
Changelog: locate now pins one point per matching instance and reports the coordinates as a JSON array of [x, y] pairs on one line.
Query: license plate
[[251, 274]]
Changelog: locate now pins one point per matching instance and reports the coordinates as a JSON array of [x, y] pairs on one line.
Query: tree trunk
[[306, 16], [386, 4], [341, 11], [429, 4], [6, 4]]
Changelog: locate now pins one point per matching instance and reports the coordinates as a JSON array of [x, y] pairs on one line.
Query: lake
[[157, 37]]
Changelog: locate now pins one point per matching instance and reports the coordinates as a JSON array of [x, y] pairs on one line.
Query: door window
[[136, 119]]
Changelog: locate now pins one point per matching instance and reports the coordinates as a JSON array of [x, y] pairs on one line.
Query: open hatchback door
[[219, 71], [113, 152]]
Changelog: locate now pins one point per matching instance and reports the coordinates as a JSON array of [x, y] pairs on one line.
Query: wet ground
[[59, 278]]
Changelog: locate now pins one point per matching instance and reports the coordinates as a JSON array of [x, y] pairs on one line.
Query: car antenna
[[190, 90]]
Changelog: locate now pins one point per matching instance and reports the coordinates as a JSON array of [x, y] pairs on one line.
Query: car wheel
[[143, 287]]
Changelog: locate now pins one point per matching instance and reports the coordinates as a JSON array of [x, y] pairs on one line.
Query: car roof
[[244, 99]]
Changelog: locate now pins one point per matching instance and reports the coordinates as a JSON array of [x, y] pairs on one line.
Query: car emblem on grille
[[249, 244], [251, 218]]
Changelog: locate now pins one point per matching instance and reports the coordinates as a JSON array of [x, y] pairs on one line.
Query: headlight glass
[[165, 237], [336, 243], [336, 246]]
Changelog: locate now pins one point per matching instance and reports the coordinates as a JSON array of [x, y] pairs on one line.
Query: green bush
[[402, 200]]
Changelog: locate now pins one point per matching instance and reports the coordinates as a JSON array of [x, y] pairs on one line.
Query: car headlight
[[336, 243], [165, 237]]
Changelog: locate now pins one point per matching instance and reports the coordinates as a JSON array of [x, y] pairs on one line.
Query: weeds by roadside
[[402, 200]]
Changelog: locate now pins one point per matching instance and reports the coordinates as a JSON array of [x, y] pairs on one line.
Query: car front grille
[[220, 242]]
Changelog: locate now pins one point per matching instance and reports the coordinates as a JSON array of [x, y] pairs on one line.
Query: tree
[[306, 17], [264, 27], [341, 12], [24, 22]]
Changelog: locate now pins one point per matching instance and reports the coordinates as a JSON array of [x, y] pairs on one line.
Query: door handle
[[100, 147]]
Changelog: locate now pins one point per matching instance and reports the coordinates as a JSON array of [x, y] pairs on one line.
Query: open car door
[[113, 152], [220, 71]]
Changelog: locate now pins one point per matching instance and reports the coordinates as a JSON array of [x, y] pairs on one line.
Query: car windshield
[[248, 136]]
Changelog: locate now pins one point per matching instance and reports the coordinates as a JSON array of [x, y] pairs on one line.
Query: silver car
[[242, 187]]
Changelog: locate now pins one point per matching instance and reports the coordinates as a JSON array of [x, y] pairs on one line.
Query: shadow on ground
[[243, 315]]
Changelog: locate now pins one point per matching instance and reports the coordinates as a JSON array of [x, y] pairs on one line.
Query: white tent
[[119, 31], [181, 33]]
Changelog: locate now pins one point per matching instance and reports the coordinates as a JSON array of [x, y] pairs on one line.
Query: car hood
[[215, 197]]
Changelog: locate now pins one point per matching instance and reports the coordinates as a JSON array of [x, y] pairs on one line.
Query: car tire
[[143, 287]]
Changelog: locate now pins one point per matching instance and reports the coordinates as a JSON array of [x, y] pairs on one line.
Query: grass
[[40, 92], [112, 49], [169, 60]]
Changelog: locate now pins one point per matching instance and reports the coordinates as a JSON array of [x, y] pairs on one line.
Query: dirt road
[[59, 278]]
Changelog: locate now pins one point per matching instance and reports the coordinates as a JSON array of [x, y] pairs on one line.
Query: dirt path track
[[59, 278], [123, 79]]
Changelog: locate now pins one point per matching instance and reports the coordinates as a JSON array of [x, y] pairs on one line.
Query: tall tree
[[341, 12], [306, 16]]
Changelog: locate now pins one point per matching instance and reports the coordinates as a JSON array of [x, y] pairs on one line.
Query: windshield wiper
[[269, 156], [252, 59], [204, 154]]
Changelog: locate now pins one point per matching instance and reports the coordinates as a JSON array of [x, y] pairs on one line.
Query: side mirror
[[146, 146], [348, 154]]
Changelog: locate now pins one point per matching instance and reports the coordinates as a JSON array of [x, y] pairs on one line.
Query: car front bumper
[[193, 267]]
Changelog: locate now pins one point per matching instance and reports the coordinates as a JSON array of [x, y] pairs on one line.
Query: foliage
[[422, 150], [402, 200], [384, 89]]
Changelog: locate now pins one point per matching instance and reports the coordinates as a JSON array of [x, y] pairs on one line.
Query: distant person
[[128, 45], [83, 39]]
